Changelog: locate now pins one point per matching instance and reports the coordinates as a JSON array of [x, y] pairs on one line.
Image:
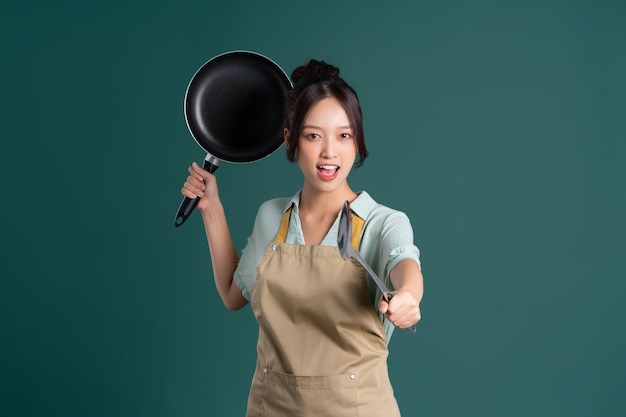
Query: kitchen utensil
[[344, 242], [234, 108]]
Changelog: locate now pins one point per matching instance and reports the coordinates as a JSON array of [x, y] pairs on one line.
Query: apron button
[[264, 370], [352, 376], [274, 246]]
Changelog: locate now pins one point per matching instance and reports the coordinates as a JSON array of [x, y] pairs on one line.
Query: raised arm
[[224, 255]]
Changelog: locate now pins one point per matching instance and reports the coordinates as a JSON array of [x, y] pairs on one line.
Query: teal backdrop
[[499, 127]]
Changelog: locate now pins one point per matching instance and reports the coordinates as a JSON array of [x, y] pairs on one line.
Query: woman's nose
[[328, 148]]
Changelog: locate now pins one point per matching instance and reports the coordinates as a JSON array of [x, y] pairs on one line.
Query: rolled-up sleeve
[[397, 241], [387, 240]]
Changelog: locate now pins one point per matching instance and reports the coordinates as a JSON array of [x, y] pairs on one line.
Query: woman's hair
[[314, 82]]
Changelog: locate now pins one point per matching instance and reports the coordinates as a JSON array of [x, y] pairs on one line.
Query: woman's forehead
[[326, 112]]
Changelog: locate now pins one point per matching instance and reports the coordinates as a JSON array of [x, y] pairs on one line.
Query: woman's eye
[[312, 136], [345, 136]]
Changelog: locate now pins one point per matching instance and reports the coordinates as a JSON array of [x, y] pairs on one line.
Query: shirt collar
[[362, 206]]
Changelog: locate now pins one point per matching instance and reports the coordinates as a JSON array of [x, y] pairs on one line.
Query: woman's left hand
[[403, 311], [404, 308]]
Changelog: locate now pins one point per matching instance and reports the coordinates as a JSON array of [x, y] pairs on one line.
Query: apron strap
[[357, 228], [284, 227]]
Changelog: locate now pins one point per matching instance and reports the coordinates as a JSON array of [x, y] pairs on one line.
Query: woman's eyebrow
[[318, 127]]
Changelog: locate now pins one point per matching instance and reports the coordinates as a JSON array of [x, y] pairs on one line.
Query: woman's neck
[[324, 203], [319, 210]]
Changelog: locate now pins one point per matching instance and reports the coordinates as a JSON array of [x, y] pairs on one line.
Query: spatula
[[344, 242]]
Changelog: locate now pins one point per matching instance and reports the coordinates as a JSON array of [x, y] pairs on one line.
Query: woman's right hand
[[224, 256], [200, 183]]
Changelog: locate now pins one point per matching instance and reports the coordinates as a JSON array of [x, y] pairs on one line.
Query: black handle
[[188, 204]]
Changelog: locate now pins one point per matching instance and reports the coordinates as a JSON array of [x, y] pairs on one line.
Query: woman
[[323, 326]]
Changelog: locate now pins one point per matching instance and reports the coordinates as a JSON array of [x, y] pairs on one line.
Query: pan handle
[[211, 164]]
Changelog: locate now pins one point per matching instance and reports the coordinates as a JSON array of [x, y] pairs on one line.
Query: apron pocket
[[284, 394]]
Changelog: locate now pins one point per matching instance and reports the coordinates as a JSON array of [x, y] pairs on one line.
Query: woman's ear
[[286, 137]]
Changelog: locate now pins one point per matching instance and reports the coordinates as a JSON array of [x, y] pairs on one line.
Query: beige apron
[[322, 349]]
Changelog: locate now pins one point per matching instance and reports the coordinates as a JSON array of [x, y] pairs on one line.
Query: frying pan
[[234, 108]]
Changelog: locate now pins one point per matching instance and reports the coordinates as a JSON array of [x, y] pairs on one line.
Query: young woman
[[323, 326]]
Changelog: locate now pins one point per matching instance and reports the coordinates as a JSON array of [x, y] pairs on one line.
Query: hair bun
[[314, 72]]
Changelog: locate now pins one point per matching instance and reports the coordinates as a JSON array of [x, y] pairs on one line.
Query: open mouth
[[327, 172]]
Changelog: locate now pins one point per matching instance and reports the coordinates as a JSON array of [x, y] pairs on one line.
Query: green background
[[499, 127]]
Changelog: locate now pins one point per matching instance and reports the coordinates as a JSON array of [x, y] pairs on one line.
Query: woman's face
[[326, 147]]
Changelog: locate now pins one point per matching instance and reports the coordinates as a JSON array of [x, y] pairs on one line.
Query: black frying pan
[[234, 108]]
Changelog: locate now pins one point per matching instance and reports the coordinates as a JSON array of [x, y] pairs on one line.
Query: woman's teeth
[[327, 172], [332, 168]]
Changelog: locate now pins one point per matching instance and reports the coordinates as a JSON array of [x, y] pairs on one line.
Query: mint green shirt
[[387, 239]]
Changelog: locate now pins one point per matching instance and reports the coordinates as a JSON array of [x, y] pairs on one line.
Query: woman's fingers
[[195, 184], [200, 183], [197, 172], [403, 310]]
